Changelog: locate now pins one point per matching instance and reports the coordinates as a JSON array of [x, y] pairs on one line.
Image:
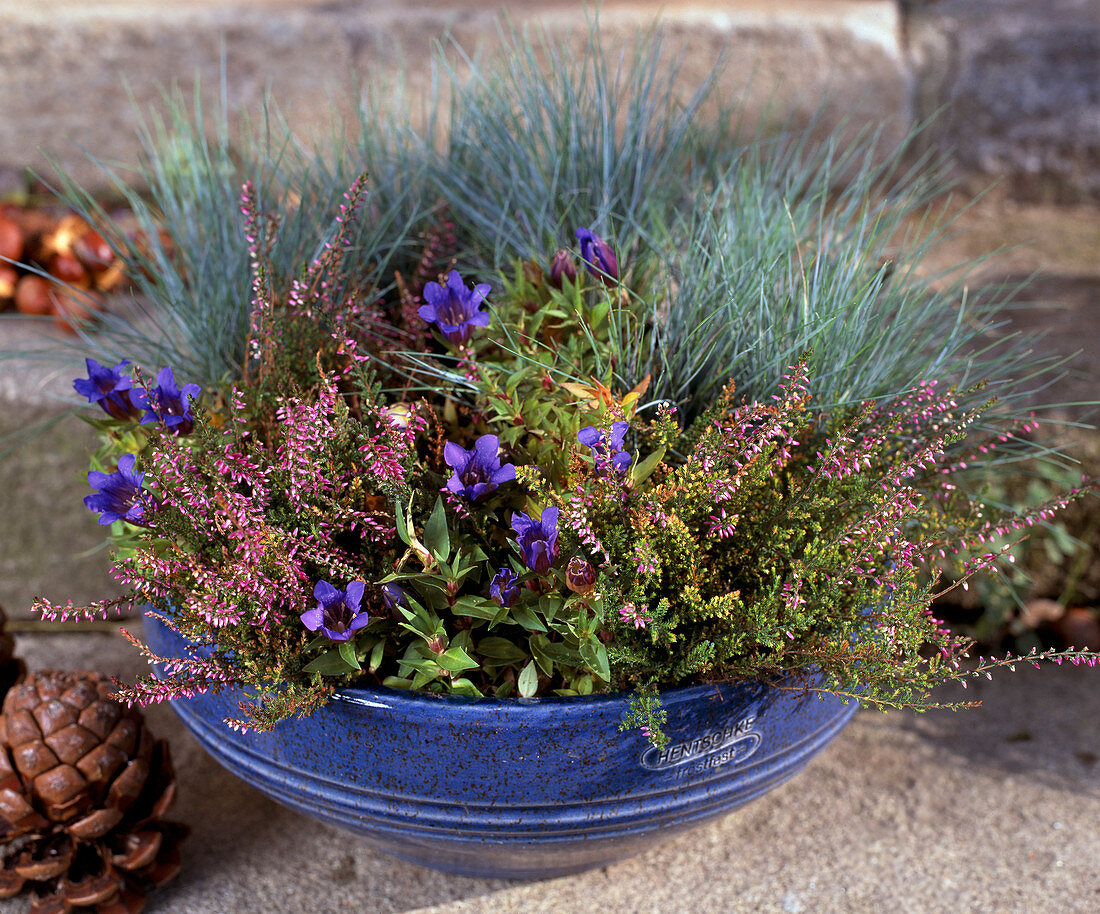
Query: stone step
[[69, 69], [1020, 81]]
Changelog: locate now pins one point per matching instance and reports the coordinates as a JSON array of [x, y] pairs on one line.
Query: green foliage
[[617, 483]]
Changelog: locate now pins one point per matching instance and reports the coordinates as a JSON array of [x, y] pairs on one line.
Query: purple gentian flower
[[477, 472], [338, 615], [503, 588], [169, 405], [602, 451], [392, 597], [455, 309], [598, 256], [538, 539], [119, 496], [109, 388]]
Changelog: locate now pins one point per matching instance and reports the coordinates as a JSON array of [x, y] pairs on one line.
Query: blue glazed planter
[[517, 788]]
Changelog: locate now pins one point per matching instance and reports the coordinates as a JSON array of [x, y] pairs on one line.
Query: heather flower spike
[[119, 495], [537, 539], [455, 309], [109, 388], [633, 615], [504, 588], [598, 255], [337, 615], [606, 452], [168, 403], [478, 472]]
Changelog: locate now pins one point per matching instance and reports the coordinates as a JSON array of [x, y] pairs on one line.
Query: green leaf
[[422, 678], [595, 655], [456, 660], [347, 652], [475, 608], [528, 683], [501, 649], [527, 619], [402, 524], [560, 653], [465, 687], [330, 663], [642, 470], [546, 664], [376, 656], [436, 537]]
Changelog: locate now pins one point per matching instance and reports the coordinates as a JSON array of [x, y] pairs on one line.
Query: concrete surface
[[983, 811]]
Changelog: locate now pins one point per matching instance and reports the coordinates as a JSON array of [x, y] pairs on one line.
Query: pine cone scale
[[62, 790], [32, 759], [83, 786], [72, 743], [54, 715], [96, 825]]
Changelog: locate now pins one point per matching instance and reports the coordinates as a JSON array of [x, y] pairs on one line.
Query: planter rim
[[385, 697]]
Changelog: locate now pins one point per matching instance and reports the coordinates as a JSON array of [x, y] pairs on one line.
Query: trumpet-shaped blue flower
[[607, 452], [455, 309], [109, 388], [119, 495], [337, 614], [503, 588], [598, 255], [168, 403], [477, 472], [537, 539]]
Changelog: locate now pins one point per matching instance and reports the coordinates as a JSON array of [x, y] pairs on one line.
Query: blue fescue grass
[[750, 251]]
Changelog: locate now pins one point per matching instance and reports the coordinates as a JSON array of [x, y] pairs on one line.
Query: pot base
[[517, 788]]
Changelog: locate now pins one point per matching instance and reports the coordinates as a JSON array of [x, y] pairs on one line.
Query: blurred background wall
[[1019, 80]]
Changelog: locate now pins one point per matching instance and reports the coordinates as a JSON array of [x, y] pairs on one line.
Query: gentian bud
[[598, 256], [580, 576], [392, 597], [562, 267]]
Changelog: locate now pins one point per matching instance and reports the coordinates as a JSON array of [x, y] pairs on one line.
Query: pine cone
[[12, 669], [83, 787]]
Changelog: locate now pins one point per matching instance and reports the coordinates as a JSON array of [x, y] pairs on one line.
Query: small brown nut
[[11, 240], [69, 270], [34, 295], [8, 279], [61, 239], [93, 252]]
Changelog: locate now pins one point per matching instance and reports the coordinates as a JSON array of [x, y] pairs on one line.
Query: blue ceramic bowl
[[517, 788]]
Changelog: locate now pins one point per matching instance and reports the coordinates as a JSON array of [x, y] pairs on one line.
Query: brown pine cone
[[83, 788], [12, 669]]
